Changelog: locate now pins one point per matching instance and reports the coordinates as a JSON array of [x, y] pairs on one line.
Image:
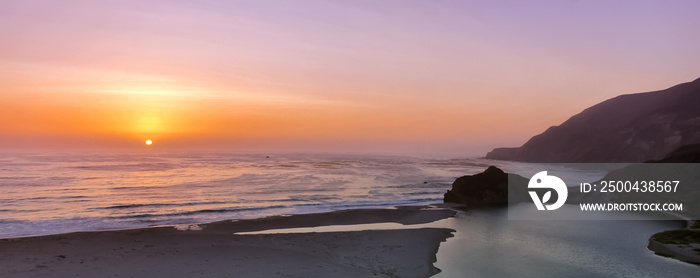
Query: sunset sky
[[456, 77]]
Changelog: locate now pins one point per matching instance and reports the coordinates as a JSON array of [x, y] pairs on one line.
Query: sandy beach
[[213, 250]]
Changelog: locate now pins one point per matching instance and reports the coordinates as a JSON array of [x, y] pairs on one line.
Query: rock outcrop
[[627, 128], [487, 188]]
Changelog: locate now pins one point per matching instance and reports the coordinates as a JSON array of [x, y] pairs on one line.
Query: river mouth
[[487, 244]]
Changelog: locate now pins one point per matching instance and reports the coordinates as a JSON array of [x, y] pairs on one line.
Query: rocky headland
[[627, 128]]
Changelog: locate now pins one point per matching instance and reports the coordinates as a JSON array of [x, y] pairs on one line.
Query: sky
[[443, 77]]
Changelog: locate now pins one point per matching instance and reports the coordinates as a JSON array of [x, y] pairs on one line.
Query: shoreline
[[680, 244], [679, 252], [213, 249]]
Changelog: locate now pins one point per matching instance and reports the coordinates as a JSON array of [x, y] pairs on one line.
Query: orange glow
[[340, 75], [112, 119]]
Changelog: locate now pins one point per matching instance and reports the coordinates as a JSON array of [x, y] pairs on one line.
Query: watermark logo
[[542, 180]]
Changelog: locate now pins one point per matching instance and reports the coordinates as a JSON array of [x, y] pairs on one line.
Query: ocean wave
[[423, 193], [195, 212], [129, 167], [18, 210], [133, 190], [127, 206]]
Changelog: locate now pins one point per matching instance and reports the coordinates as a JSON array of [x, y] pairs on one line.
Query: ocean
[[58, 193]]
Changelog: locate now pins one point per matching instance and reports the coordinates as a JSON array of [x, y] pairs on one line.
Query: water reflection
[[487, 244]]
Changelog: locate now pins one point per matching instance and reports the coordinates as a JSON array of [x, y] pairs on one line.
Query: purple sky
[[425, 76]]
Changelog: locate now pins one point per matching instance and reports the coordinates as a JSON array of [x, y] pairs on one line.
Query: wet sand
[[213, 250]]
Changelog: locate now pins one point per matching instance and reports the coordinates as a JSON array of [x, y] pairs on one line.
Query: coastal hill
[[684, 154], [627, 128]]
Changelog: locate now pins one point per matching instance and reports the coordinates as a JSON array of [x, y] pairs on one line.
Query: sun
[[149, 142]]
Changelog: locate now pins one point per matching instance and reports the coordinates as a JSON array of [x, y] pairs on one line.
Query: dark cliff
[[628, 128]]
